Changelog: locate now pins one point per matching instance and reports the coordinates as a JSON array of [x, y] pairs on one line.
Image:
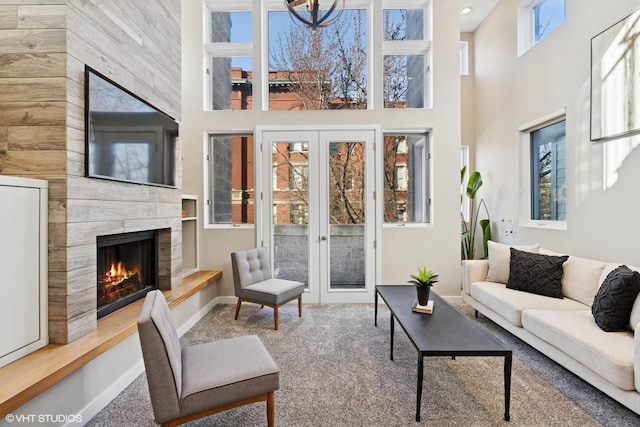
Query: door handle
[[323, 238]]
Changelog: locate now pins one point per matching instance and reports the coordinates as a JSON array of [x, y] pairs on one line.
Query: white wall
[[403, 250], [512, 91]]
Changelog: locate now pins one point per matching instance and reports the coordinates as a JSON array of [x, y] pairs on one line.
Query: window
[[536, 20], [405, 45], [231, 184], [544, 173], [331, 68], [299, 177], [324, 69], [465, 209], [229, 51], [464, 58], [406, 179], [548, 174]]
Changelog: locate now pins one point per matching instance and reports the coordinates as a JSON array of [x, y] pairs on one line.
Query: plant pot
[[423, 294]]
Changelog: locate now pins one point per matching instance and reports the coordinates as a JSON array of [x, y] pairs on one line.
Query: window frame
[[526, 172], [407, 48], [377, 48], [208, 179], [464, 58], [224, 50], [526, 25], [426, 177]]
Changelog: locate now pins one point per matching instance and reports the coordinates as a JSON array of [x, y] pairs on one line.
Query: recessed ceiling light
[[466, 10]]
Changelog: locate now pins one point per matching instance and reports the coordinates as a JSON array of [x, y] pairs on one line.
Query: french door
[[318, 211]]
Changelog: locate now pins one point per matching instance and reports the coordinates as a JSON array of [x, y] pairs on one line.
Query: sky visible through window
[[548, 15], [279, 23]]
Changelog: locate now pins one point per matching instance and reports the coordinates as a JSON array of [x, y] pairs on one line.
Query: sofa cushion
[[581, 278], [499, 258], [634, 319], [614, 301], [536, 273], [510, 303], [608, 354]]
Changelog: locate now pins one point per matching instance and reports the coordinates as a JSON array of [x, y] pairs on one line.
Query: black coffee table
[[446, 332]]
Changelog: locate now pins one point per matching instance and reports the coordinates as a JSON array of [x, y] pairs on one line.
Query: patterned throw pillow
[[536, 273], [613, 303]]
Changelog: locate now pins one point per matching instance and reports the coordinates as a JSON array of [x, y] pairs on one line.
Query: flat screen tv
[[126, 138]]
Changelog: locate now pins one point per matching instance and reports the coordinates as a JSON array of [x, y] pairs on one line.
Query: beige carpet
[[335, 371]]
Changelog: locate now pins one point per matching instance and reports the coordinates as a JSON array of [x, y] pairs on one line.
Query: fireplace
[[127, 269]]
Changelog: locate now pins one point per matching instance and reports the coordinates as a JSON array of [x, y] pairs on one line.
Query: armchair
[[253, 282], [202, 379]]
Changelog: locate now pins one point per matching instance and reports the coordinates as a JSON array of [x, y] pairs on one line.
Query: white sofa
[[562, 328]]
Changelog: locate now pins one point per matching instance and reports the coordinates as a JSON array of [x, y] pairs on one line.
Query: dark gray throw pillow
[[536, 273], [613, 303]]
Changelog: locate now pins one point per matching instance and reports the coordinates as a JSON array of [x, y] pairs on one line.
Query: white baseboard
[[226, 300], [117, 387], [196, 317]]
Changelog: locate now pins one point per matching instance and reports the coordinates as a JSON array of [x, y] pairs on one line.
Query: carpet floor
[[335, 371]]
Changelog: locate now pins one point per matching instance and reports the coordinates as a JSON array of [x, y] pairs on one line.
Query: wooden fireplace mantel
[[31, 375]]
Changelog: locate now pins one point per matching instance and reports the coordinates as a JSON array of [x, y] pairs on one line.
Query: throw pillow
[[613, 303], [536, 273], [499, 260]]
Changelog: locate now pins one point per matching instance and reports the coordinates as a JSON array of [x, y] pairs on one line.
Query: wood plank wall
[[44, 46]]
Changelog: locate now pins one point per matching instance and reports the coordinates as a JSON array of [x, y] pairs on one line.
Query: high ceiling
[[479, 11]]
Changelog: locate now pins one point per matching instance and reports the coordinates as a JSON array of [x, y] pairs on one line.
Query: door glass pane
[[346, 215], [290, 167]]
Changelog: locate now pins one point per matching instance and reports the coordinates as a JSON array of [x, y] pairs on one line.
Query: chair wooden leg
[[238, 308], [275, 316], [271, 410], [300, 306]]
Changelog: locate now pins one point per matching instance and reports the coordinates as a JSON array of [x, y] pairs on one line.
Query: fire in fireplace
[[127, 269]]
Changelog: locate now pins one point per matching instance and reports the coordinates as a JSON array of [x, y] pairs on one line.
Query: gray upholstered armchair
[[202, 379], [253, 282]]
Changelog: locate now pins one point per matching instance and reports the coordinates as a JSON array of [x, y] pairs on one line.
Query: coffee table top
[[445, 332]]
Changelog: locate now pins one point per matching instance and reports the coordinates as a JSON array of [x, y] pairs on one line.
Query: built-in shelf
[[189, 234]]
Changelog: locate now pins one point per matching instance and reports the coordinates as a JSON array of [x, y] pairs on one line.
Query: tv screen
[[127, 139]]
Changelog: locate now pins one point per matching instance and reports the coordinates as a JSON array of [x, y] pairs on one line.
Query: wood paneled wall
[[44, 46]]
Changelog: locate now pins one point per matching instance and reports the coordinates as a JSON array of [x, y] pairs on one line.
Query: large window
[[231, 185], [544, 173], [536, 20], [406, 179], [326, 69]]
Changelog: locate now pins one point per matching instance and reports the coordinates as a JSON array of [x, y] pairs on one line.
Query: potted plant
[[424, 280], [469, 228]]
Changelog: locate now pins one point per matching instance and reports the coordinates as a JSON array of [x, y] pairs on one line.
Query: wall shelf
[[190, 231]]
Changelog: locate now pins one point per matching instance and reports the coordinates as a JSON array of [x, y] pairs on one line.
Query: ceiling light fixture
[[466, 10], [314, 17]]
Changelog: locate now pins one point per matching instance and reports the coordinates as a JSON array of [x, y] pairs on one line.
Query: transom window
[[326, 69], [536, 20]]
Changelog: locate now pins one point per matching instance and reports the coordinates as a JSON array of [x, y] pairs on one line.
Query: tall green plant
[[469, 229]]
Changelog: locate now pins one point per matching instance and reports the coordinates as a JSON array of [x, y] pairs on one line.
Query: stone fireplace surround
[[99, 207]]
